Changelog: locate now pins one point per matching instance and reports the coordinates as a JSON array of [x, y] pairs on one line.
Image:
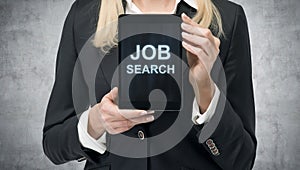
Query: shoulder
[[85, 17], [86, 5], [83, 7], [82, 3], [229, 11], [233, 17], [226, 5], [86, 12]]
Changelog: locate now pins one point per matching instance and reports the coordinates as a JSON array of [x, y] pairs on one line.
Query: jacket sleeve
[[60, 134], [229, 136]]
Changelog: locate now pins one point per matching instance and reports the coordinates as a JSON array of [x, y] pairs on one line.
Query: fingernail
[[143, 113], [150, 111], [184, 34], [151, 118], [184, 25]]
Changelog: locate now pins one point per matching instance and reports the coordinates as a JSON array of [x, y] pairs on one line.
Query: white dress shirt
[[99, 145]]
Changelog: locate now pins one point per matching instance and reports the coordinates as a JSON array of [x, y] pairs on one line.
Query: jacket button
[[209, 142], [212, 146], [141, 135], [215, 152]]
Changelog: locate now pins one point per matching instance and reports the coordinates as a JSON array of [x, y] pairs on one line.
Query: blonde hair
[[107, 29]]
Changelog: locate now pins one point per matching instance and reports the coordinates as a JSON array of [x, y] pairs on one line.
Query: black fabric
[[234, 135]]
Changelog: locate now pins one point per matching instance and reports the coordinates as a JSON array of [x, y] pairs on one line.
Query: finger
[[197, 30], [129, 114], [121, 124], [129, 123], [143, 119], [188, 20], [189, 48], [202, 42], [196, 51]]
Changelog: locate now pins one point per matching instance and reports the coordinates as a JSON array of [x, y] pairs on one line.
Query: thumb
[[113, 94], [217, 42], [191, 58]]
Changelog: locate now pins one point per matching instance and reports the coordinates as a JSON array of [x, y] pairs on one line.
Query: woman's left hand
[[202, 51]]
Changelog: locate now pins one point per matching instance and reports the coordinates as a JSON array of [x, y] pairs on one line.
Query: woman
[[217, 31]]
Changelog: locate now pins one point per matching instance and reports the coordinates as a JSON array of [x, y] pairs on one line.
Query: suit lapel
[[183, 7]]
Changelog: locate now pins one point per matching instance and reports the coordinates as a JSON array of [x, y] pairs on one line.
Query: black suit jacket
[[233, 128]]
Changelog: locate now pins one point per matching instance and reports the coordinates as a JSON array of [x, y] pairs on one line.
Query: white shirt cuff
[[85, 139], [199, 118]]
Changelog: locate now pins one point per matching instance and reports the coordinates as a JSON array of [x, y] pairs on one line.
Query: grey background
[[29, 36]]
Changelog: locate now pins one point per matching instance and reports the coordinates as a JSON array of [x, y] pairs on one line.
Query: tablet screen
[[150, 70]]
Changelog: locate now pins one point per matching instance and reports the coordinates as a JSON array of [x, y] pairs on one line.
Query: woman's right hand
[[106, 116]]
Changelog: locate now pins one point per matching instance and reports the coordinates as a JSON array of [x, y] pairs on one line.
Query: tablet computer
[[150, 67]]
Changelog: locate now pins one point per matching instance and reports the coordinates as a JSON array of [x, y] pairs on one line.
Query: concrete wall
[[29, 35]]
